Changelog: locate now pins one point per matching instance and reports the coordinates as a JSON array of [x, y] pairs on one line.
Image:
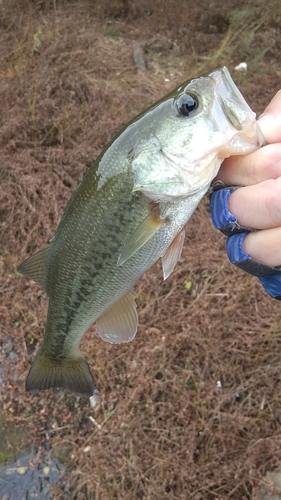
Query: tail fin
[[70, 373]]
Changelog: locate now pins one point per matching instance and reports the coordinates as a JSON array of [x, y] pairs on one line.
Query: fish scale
[[131, 209]]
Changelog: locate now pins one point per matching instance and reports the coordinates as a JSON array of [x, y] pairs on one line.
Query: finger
[[265, 163], [257, 206], [264, 246], [270, 120]]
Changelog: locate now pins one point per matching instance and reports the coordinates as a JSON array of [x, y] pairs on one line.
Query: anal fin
[[145, 230], [119, 323], [35, 266], [172, 254]]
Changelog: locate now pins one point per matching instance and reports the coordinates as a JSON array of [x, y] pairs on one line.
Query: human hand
[[258, 204]]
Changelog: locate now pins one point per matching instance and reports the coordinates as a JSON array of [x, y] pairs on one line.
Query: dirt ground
[[164, 427]]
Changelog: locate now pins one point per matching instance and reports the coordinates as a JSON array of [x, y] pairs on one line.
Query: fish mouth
[[235, 109]]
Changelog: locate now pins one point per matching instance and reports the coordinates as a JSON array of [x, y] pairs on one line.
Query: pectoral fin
[[119, 323], [146, 229], [35, 266], [172, 254]]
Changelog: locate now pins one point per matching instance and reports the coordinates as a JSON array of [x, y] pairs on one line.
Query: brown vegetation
[[163, 429]]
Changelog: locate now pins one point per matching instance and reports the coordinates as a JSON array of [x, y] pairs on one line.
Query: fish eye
[[187, 103]]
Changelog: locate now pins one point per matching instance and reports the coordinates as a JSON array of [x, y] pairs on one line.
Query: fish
[[130, 210]]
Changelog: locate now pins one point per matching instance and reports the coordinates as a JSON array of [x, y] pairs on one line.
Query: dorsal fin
[[35, 266]]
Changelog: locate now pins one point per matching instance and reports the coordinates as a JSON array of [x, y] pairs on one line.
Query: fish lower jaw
[[200, 167], [182, 164]]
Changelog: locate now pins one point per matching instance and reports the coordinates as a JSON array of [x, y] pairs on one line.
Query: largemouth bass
[[131, 209]]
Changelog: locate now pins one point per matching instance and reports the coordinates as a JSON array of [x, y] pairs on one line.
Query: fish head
[[185, 137]]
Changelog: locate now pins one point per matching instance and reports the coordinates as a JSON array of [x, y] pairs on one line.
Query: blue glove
[[270, 277]]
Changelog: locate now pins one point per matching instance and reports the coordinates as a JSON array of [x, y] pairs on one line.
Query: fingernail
[[266, 120], [270, 126], [266, 123]]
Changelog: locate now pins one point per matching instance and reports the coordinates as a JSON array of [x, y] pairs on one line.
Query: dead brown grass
[[163, 429]]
